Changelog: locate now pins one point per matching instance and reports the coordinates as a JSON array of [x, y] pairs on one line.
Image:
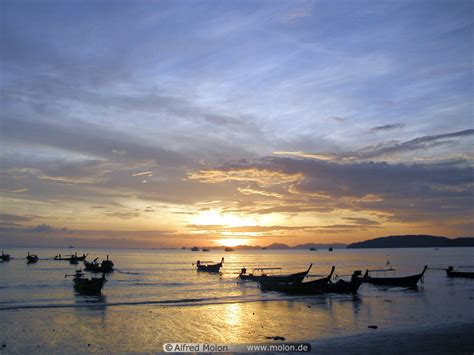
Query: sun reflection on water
[[233, 314]]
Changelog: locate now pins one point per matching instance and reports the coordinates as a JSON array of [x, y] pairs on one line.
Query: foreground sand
[[456, 338]]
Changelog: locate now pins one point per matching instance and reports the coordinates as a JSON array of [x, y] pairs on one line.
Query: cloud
[[382, 150], [423, 142], [145, 173], [17, 191], [387, 127], [123, 215], [361, 221], [5, 217], [86, 138], [319, 156], [365, 187], [241, 172], [247, 229], [44, 228], [338, 119]]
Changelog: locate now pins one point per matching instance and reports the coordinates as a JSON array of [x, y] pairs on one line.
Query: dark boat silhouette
[[297, 277], [456, 273], [194, 249], [407, 281], [343, 286], [204, 266], [229, 249], [204, 249], [31, 259], [5, 257], [69, 257], [92, 286], [313, 249], [105, 266], [297, 287], [72, 258]]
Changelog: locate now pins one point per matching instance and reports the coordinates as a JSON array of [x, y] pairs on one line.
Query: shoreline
[[451, 338]]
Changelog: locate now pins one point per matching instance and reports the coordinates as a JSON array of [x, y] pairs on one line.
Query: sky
[[169, 123]]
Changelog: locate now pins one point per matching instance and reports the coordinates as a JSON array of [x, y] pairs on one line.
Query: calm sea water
[[157, 296]]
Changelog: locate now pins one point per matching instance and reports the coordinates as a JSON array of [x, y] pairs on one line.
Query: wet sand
[[456, 338]]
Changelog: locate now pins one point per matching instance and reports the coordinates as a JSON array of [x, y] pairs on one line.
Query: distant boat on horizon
[[330, 249], [229, 249], [194, 249], [205, 249], [313, 249]]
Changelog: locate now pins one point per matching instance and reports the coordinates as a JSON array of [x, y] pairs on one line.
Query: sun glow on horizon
[[214, 217], [233, 242]]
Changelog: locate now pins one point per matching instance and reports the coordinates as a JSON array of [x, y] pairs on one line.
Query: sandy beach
[[455, 338]]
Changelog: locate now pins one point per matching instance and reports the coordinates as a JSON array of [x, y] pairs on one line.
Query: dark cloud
[[362, 221], [387, 127], [408, 146], [5, 217], [123, 215], [45, 228], [86, 138], [383, 150], [338, 119]]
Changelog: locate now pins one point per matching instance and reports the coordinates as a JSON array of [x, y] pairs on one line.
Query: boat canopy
[[266, 268]]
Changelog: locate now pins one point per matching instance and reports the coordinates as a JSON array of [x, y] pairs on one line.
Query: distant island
[[393, 241], [413, 241]]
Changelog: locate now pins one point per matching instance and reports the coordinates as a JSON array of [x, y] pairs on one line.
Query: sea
[[157, 296]]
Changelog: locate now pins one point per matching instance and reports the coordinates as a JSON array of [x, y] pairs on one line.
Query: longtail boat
[[72, 257], [205, 266], [456, 273], [311, 287], [92, 286], [343, 286], [105, 266], [407, 281], [5, 257], [297, 277], [31, 259]]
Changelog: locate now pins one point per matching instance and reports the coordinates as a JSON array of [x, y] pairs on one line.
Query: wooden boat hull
[[215, 268], [31, 259], [307, 288], [452, 273], [407, 281], [343, 286], [71, 259], [292, 278], [89, 286]]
